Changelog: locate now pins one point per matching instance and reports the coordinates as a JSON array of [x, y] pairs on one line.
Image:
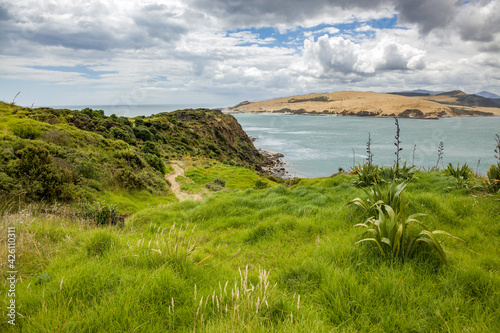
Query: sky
[[222, 52]]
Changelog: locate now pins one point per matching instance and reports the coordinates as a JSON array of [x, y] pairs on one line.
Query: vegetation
[[312, 99], [277, 259], [68, 155]]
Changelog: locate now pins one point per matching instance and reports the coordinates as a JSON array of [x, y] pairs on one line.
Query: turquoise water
[[316, 146]]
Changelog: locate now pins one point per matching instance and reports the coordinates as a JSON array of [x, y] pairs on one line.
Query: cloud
[[333, 56], [244, 13], [427, 14], [479, 21]]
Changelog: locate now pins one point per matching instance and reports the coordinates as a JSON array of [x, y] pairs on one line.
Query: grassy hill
[[369, 104], [271, 260]]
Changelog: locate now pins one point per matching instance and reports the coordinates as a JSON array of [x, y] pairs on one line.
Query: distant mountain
[[488, 94], [416, 92], [459, 98], [430, 92]]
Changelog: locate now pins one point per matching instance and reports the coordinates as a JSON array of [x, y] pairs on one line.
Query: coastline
[[317, 114], [273, 164]]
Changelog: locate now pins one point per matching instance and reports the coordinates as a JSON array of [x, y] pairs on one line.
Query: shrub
[[220, 182], [150, 148], [88, 168], [213, 187], [38, 173], [380, 196], [392, 235], [493, 174], [155, 162], [142, 133], [130, 180], [120, 134], [27, 131], [100, 214], [368, 174], [405, 172], [465, 172], [260, 184]]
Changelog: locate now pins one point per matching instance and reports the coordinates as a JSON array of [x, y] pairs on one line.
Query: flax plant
[[391, 233]]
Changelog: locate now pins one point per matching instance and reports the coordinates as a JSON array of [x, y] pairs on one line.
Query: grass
[[202, 171], [271, 260]]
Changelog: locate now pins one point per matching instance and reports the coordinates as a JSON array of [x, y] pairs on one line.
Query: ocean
[[316, 146]]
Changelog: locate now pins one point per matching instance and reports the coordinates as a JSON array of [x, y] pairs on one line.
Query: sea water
[[316, 146]]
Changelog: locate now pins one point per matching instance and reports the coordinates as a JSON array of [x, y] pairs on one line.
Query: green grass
[[203, 171], [132, 201], [152, 275]]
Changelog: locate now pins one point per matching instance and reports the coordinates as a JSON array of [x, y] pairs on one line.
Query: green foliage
[[100, 214], [99, 243], [312, 99], [460, 172], [156, 162], [121, 134], [404, 172], [493, 174], [367, 174], [212, 186], [150, 147], [25, 131], [260, 184], [379, 196], [391, 232], [299, 273], [220, 182]]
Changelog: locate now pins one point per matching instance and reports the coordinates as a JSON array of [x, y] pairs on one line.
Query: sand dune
[[361, 104]]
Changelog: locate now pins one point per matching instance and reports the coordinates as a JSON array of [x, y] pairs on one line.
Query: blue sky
[[221, 52]]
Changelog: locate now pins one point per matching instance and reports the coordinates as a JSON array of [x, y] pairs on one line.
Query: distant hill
[[356, 103], [459, 98], [488, 94]]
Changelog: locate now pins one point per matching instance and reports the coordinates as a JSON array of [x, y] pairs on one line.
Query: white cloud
[[333, 56]]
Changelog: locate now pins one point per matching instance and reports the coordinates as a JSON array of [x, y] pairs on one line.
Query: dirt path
[[176, 186]]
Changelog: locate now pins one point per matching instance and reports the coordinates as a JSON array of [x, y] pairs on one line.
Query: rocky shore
[[274, 165]]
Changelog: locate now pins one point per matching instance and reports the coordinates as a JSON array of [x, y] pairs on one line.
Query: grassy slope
[[80, 278]]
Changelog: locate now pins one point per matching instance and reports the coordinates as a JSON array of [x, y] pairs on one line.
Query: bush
[[118, 133], [392, 233], [368, 174], [100, 214], [390, 195], [260, 184], [155, 162], [27, 131], [220, 182], [404, 172], [130, 180], [464, 172], [142, 133], [151, 148], [493, 174], [213, 187], [38, 173]]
